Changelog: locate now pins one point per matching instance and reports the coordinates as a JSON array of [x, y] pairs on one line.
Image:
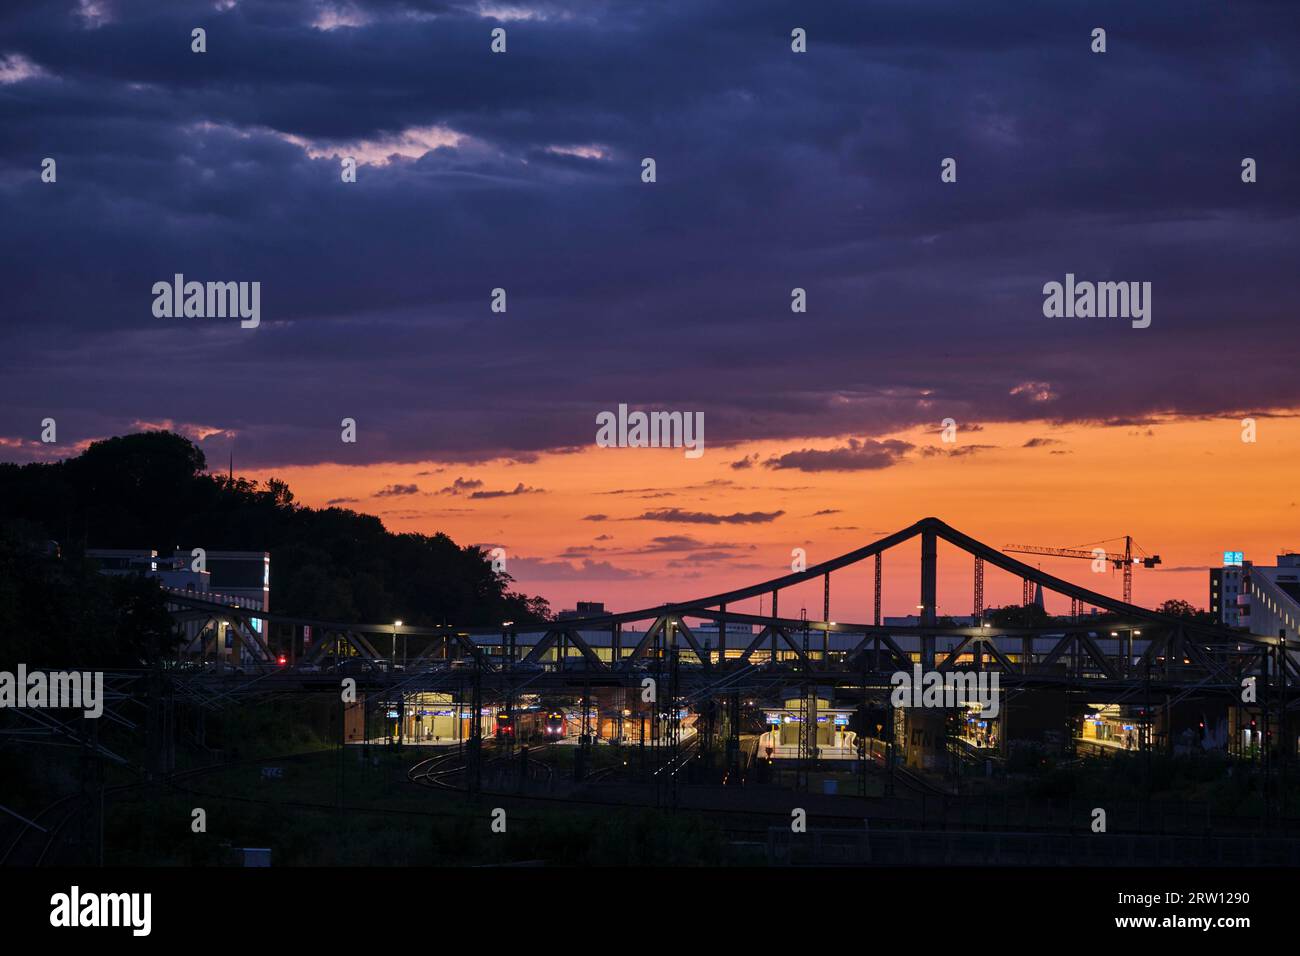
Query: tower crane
[[1126, 562]]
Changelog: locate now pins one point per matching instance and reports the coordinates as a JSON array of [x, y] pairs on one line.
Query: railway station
[[733, 710], [750, 688]]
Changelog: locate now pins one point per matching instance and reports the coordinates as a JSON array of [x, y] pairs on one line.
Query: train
[[526, 725]]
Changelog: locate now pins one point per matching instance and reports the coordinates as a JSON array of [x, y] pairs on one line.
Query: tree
[[150, 490], [63, 613], [1177, 607]]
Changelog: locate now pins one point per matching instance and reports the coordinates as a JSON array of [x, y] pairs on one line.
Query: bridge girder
[[1191, 637]]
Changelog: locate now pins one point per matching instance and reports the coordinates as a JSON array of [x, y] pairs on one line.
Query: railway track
[[918, 784], [437, 771], [677, 763]]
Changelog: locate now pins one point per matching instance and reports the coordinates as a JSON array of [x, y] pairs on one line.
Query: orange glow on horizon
[[1186, 490]]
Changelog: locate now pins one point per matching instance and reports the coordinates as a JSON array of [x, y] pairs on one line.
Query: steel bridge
[[1171, 651]]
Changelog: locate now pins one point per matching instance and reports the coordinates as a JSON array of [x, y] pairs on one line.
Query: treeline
[[58, 613], [151, 490]]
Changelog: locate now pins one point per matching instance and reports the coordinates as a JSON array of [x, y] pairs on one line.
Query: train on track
[[526, 725]]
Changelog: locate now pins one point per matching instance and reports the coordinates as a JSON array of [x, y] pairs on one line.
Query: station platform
[[845, 750]]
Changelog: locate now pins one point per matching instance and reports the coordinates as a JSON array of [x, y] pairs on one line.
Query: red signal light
[[282, 660]]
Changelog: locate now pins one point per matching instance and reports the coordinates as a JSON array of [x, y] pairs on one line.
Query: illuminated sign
[[1233, 559], [841, 721]]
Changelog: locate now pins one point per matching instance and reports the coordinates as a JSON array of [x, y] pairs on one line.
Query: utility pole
[[474, 776], [876, 603], [1284, 742], [1268, 737]]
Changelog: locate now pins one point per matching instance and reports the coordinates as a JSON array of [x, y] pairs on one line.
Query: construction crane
[[1126, 562]]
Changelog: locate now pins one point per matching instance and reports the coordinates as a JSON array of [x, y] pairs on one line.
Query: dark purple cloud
[[858, 455], [775, 170], [705, 517], [542, 569], [519, 489], [397, 491], [955, 451], [462, 485], [683, 542]]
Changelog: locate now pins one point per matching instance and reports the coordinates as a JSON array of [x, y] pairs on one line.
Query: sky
[[774, 170]]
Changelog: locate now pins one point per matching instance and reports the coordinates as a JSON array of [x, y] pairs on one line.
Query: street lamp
[[396, 625]]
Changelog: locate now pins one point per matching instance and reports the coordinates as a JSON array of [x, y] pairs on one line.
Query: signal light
[[282, 660]]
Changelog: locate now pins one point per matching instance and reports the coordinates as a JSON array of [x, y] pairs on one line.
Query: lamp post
[[401, 698]]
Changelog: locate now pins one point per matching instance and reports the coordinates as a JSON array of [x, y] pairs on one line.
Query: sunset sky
[[634, 527], [775, 170]]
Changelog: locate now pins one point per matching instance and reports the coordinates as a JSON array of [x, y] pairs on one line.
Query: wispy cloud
[[705, 517], [865, 455]]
